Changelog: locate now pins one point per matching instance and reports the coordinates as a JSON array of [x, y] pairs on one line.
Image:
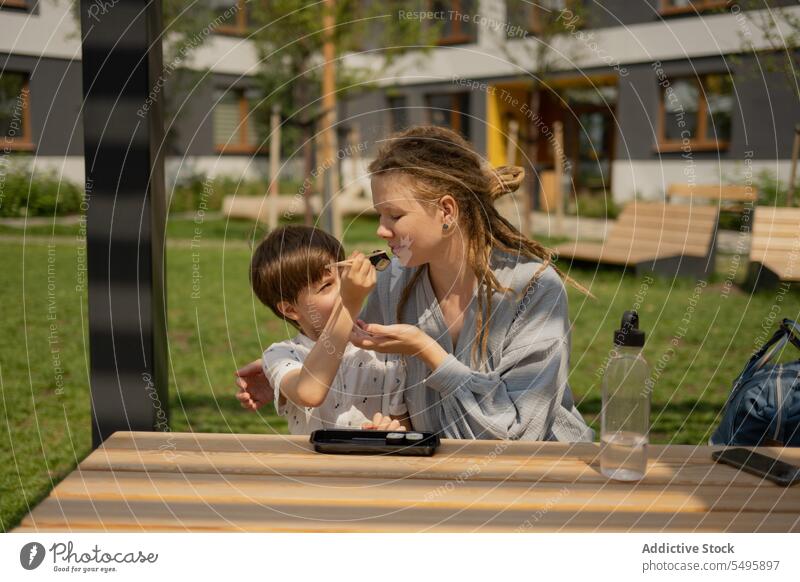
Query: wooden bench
[[669, 239], [258, 207], [730, 197], [775, 247], [352, 201]]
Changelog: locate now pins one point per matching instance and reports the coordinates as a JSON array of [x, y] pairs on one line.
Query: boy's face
[[315, 304]]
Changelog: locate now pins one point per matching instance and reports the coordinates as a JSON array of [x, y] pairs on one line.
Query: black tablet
[[375, 442]]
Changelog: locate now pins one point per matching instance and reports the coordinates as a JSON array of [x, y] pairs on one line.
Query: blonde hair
[[441, 162]]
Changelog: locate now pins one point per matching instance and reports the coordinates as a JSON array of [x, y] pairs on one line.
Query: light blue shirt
[[523, 392]]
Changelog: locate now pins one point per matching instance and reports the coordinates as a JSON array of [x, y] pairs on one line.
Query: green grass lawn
[[697, 343], [230, 230]]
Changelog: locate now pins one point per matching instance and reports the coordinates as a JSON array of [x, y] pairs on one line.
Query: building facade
[[646, 92]]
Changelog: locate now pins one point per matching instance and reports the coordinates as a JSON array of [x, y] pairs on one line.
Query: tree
[[289, 38], [779, 28]]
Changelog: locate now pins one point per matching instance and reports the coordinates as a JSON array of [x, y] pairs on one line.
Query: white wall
[[71, 168], [55, 33], [649, 179]]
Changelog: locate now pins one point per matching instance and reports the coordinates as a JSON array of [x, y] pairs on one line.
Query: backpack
[[764, 405]]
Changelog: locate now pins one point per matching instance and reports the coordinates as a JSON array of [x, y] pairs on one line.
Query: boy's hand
[[382, 422], [357, 281], [254, 388]]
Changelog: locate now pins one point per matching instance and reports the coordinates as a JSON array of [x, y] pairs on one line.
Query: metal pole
[[123, 153], [793, 169], [274, 165], [512, 146], [558, 152], [331, 219]]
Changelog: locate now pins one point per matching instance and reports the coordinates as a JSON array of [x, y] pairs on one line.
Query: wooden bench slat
[[777, 245], [778, 213], [648, 231], [775, 242], [713, 192], [642, 234], [624, 254], [659, 247]]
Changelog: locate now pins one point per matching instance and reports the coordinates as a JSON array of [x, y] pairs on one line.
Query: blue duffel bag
[[764, 405]]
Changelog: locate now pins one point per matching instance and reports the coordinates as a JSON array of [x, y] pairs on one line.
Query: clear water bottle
[[625, 420]]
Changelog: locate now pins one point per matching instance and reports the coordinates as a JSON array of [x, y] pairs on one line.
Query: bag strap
[[793, 330], [788, 331]]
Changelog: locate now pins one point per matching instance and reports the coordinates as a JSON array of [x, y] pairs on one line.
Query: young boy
[[320, 379]]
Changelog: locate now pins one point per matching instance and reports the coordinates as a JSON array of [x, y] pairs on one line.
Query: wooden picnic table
[[140, 481]]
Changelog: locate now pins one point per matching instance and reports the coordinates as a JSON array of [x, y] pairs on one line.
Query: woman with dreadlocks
[[478, 309]]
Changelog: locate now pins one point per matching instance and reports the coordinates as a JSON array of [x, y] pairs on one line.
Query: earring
[[445, 226]]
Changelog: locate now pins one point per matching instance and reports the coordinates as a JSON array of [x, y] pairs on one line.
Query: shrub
[[771, 191], [39, 194], [596, 205], [191, 190]]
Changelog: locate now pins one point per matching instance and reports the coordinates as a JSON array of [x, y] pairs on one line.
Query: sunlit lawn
[[697, 343]]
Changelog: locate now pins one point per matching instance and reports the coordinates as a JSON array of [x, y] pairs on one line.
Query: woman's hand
[[381, 422], [389, 339], [254, 388], [398, 339]]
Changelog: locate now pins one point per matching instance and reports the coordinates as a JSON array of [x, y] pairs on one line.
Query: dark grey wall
[[763, 121], [55, 102], [367, 111], [764, 116], [606, 13], [192, 133], [31, 7], [370, 111], [56, 94]]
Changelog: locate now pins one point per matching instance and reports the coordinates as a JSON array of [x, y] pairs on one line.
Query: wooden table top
[[140, 481]]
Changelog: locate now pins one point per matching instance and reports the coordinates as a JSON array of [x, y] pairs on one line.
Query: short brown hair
[[288, 260]]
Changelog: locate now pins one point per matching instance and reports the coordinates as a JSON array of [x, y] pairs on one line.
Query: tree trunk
[[308, 154], [533, 153]]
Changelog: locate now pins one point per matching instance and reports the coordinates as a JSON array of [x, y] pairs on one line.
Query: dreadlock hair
[[442, 162]]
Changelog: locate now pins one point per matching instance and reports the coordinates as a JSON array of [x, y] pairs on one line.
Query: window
[[15, 124], [450, 110], [398, 115], [234, 124], [697, 112], [534, 16], [230, 17], [690, 6], [456, 17], [14, 4]]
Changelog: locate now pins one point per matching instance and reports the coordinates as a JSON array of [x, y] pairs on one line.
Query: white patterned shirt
[[366, 383]]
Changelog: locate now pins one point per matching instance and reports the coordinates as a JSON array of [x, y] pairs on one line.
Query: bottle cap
[[629, 335]]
